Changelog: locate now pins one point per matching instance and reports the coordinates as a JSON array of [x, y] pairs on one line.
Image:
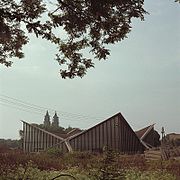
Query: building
[[173, 138], [47, 122], [113, 133], [36, 139], [149, 137]]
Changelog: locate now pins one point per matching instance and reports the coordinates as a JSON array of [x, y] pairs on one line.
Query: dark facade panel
[[114, 133], [129, 141], [36, 139], [149, 136], [152, 138]]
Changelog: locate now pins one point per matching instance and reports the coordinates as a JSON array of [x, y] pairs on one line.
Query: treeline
[[56, 129], [8, 144], [59, 130]]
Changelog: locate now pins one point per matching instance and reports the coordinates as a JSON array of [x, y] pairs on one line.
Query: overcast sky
[[141, 79]]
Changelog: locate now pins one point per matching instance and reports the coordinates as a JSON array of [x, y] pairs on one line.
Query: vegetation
[[173, 141], [87, 24], [6, 144], [148, 175], [81, 166], [59, 130], [109, 169]]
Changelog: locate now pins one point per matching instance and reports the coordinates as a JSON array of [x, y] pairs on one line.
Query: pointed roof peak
[[47, 113], [144, 131], [55, 114]]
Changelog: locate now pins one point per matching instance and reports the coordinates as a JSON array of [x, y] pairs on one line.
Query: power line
[[20, 104], [11, 106], [32, 112], [45, 108], [40, 109]]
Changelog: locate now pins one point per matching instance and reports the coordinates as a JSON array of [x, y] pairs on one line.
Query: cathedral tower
[[55, 121], [47, 122]]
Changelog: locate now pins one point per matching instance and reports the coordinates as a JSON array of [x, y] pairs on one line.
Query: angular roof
[[118, 114], [43, 130], [73, 132], [69, 136], [143, 132]]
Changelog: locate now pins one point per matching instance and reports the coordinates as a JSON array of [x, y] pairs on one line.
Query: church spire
[[47, 122], [55, 121]]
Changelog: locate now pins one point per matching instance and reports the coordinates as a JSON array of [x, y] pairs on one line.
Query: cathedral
[[47, 122]]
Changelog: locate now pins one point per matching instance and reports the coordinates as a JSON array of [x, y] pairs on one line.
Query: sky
[[141, 79]]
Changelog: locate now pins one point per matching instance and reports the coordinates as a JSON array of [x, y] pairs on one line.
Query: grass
[[47, 165]]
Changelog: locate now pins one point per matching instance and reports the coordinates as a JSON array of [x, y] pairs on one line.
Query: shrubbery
[[84, 166], [31, 172], [54, 152], [147, 175]]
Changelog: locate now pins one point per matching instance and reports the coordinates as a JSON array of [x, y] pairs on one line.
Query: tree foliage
[[9, 143], [87, 24]]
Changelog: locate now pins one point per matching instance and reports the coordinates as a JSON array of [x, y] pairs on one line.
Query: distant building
[[113, 133], [47, 122], [55, 121], [173, 136]]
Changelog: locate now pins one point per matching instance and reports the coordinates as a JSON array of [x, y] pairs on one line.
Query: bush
[[85, 165], [31, 172], [54, 152], [108, 169], [148, 175]]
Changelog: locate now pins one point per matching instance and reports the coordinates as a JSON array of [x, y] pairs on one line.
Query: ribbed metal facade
[[113, 133], [36, 139]]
